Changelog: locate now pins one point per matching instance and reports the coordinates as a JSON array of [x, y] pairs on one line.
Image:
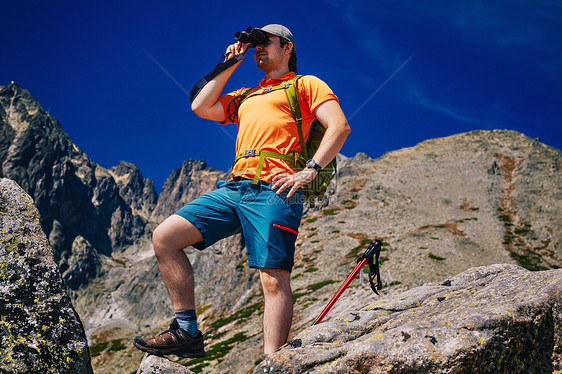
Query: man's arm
[[331, 116], [206, 104]]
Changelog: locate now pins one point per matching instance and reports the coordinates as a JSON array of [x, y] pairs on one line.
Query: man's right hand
[[235, 50], [206, 104]]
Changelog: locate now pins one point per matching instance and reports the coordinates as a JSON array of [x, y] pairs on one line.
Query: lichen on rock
[[40, 332]]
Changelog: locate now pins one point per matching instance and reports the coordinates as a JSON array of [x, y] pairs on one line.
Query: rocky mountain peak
[[185, 184], [77, 198], [18, 106], [137, 191]]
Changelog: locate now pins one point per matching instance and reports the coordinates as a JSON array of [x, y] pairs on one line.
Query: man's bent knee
[[175, 233], [275, 280]]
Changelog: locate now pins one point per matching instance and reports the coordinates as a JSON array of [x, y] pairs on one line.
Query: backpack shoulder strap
[[294, 104]]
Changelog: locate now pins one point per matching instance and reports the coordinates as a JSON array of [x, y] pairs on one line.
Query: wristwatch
[[312, 164]]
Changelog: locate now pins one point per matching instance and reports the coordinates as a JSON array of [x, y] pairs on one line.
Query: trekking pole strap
[[372, 255], [221, 66]]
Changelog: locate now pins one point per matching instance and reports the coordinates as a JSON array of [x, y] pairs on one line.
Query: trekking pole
[[371, 257]]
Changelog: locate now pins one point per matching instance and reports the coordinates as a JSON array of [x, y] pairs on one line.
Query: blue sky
[[115, 74]]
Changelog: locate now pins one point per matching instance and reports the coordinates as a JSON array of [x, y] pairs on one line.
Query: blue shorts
[[268, 222]]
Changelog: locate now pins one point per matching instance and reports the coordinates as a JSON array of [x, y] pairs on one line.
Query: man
[[264, 211]]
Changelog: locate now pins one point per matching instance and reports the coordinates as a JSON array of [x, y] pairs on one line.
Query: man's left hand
[[295, 181]]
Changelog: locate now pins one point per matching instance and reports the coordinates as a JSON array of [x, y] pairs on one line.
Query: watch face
[[314, 165]]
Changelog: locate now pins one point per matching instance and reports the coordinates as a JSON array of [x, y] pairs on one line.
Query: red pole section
[[342, 288]]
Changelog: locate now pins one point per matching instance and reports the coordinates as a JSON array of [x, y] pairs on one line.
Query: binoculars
[[253, 36]]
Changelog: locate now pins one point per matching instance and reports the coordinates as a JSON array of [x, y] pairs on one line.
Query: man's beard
[[265, 64]]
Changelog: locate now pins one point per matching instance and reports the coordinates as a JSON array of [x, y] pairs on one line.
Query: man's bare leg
[[169, 239], [278, 313]]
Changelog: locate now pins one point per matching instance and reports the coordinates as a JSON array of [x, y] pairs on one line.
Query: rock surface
[[40, 332], [492, 319], [161, 365]]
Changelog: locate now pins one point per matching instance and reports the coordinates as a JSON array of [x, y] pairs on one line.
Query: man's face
[[270, 55]]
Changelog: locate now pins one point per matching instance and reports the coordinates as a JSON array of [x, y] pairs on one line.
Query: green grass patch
[[330, 212], [346, 201], [504, 218], [202, 309], [215, 352], [351, 207], [336, 232], [311, 270], [435, 257], [467, 219], [98, 348], [317, 286], [310, 220], [117, 345], [423, 247], [240, 315], [434, 238], [526, 262], [296, 295], [216, 336], [355, 250]]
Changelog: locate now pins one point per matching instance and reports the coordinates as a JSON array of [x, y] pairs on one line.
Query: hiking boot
[[173, 341]]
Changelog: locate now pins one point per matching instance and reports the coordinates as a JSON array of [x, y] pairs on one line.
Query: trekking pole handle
[[373, 250]]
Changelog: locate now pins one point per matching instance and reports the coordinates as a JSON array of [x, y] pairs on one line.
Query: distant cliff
[[441, 207]]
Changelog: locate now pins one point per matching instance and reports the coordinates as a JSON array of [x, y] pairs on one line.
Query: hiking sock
[[187, 319]]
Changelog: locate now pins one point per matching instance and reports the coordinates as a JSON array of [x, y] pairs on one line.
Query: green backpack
[[315, 189]]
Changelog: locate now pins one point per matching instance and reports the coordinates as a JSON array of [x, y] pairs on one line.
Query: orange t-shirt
[[266, 123]]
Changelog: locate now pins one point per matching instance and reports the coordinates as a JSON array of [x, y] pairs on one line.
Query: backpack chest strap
[[293, 158], [264, 90]]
